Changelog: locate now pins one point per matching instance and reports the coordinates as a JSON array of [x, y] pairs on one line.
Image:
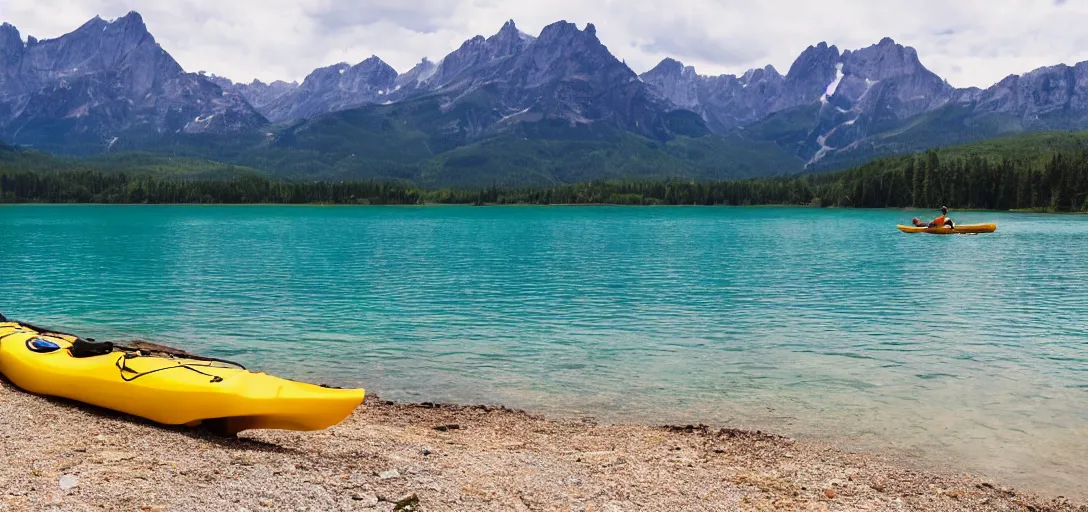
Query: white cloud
[[970, 42]]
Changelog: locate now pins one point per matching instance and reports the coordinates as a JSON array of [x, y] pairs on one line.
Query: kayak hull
[[171, 391], [964, 229]]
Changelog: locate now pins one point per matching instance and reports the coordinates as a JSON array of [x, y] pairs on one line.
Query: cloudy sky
[[969, 42]]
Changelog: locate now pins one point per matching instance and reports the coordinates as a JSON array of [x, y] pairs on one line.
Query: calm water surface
[[971, 350]]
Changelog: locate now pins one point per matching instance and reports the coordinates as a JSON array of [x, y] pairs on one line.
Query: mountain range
[[84, 90], [511, 108]]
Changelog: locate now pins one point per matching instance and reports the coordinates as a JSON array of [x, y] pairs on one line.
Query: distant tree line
[[123, 188], [924, 180], [1059, 184]]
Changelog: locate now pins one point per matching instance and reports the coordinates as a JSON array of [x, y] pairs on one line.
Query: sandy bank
[[57, 455]]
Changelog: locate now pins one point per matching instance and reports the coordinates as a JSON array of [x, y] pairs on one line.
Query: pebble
[[68, 482], [116, 456], [386, 475], [365, 499], [878, 485], [830, 493]]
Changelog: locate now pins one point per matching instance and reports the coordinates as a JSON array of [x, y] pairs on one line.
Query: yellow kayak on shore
[[964, 229], [166, 388]]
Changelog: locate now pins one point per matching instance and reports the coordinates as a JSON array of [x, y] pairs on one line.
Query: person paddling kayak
[[941, 221]]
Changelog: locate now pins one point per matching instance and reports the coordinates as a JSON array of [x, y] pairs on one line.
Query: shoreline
[[564, 205], [65, 455]]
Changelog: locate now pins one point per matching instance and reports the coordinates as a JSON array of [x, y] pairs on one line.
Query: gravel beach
[[59, 455]]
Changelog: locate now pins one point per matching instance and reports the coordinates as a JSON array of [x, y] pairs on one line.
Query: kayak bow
[[170, 389]]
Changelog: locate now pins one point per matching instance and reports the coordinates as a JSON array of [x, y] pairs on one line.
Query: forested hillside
[[1039, 172]]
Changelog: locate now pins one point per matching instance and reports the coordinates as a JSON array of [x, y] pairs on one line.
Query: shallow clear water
[[826, 323]]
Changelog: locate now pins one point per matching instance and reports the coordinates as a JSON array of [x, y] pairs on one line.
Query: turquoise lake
[[827, 324]]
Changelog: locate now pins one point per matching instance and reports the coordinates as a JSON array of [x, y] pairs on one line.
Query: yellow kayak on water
[[166, 388], [964, 229]]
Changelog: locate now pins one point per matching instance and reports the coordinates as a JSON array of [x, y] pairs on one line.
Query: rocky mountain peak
[[103, 81], [564, 44], [860, 92], [7, 30], [757, 74], [418, 74], [818, 60], [94, 23], [121, 46], [509, 28], [222, 81], [559, 30], [725, 102], [480, 51], [11, 45], [846, 95], [508, 41], [1046, 98], [320, 76], [373, 64], [372, 72], [278, 83], [262, 95], [132, 18], [131, 23], [564, 40], [336, 87], [563, 74], [1008, 81], [667, 67], [883, 60], [810, 76], [675, 82]]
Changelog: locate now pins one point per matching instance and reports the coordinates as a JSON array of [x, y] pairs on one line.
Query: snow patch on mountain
[[834, 85]]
